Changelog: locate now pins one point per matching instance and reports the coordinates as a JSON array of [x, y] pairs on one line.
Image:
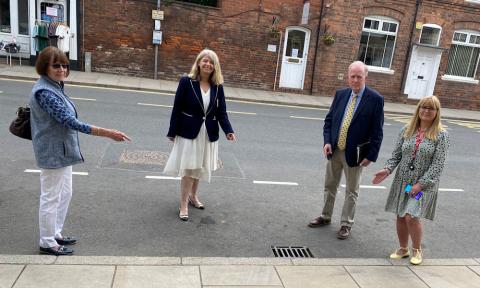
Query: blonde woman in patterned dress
[[198, 110], [420, 153]]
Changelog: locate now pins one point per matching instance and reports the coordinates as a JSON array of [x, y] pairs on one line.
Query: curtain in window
[[376, 49], [463, 60]]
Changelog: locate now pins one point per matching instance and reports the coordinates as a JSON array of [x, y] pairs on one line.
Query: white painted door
[[294, 60], [423, 72]]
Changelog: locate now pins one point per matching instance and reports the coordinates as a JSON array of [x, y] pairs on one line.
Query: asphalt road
[[118, 208]]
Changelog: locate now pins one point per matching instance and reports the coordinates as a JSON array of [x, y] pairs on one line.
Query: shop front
[[28, 26]]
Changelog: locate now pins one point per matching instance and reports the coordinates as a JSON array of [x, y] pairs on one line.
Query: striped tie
[[342, 139]]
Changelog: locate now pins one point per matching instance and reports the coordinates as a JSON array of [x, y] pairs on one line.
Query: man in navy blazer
[[353, 133]]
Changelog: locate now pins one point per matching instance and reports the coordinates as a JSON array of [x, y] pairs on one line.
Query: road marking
[[451, 190], [275, 183], [155, 105], [368, 186], [246, 113], [307, 118], [17, 80], [162, 177], [387, 124], [38, 171], [1, 92], [121, 89], [276, 105], [84, 99]]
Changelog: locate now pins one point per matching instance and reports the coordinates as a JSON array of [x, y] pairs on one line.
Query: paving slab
[[118, 260], [231, 275], [476, 269], [315, 276], [157, 277], [249, 286], [385, 276], [447, 276], [342, 261], [235, 261], [438, 262], [72, 276], [27, 259], [8, 274], [477, 259]]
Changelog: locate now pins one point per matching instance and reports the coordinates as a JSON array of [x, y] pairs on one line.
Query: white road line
[[451, 190], [38, 171], [1, 92], [307, 118], [275, 183], [387, 124], [155, 105], [122, 89], [84, 99], [368, 186], [162, 177], [277, 105], [246, 113]]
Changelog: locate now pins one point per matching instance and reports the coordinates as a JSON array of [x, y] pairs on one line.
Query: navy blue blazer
[[188, 113], [366, 126]]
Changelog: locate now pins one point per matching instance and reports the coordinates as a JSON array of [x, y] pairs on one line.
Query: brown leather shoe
[[318, 222], [344, 232]]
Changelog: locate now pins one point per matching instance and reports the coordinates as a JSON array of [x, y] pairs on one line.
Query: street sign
[[157, 15], [157, 37], [157, 25]]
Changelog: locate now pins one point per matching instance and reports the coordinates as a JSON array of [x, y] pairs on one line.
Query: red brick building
[[413, 48]]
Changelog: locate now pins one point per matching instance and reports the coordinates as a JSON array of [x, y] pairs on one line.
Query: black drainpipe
[[316, 48], [405, 71]]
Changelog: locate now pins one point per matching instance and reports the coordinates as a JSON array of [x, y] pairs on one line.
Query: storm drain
[[292, 252]]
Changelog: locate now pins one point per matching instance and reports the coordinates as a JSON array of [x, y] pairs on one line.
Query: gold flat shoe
[[398, 255], [417, 257]]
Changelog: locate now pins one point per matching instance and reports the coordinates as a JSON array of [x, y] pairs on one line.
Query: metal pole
[[156, 51]]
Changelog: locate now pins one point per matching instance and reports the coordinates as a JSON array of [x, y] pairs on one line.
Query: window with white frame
[[377, 42], [464, 54]]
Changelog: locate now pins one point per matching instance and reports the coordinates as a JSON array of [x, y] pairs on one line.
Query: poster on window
[[295, 53], [52, 11]]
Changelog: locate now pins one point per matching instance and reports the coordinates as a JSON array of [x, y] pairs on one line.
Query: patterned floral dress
[[428, 163]]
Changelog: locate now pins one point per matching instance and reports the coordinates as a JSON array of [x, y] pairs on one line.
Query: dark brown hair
[[50, 55]]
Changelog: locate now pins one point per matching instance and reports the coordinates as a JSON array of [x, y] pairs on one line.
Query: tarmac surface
[[102, 271]]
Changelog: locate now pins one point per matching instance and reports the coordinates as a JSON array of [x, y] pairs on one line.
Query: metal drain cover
[[292, 252]]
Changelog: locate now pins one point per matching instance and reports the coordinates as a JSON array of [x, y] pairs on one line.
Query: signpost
[[157, 15]]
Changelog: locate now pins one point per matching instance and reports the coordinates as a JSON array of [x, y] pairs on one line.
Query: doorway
[[294, 60]]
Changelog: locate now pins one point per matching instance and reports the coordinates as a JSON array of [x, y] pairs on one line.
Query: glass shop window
[[52, 12], [5, 16]]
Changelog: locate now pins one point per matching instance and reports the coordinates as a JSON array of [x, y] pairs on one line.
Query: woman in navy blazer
[[198, 110]]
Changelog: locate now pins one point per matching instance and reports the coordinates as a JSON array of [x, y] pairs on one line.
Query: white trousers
[[55, 195]]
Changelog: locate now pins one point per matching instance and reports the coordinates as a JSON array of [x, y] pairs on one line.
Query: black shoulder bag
[[20, 126]]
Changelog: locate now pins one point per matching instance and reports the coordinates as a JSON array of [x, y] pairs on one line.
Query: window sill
[[381, 70], [459, 79], [473, 1]]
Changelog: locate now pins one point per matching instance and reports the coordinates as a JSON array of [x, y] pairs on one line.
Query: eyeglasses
[[57, 66], [428, 108]]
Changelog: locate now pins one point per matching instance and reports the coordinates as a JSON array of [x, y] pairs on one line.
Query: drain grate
[[292, 252]]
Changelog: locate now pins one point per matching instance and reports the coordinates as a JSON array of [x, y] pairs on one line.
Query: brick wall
[[119, 35]]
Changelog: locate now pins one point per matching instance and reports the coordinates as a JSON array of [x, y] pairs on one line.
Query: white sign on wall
[[272, 48]]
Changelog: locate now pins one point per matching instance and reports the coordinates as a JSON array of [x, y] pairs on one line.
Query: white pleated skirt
[[195, 158]]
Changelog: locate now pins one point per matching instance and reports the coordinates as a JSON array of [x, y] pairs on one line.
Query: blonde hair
[[216, 77], [414, 123]]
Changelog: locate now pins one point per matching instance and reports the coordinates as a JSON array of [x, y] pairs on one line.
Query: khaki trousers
[[333, 176]]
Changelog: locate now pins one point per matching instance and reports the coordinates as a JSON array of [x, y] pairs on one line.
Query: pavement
[[117, 271]]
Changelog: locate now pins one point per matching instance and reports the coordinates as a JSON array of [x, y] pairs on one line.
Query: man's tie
[[342, 139]]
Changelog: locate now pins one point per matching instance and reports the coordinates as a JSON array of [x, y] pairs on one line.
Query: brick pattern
[[119, 35]]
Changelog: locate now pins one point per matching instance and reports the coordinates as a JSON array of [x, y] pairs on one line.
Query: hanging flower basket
[[328, 39], [274, 33]]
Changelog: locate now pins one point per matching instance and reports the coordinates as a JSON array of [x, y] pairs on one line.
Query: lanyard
[[418, 139]]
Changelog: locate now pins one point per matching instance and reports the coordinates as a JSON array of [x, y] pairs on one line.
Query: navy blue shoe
[[62, 250], [66, 241]]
